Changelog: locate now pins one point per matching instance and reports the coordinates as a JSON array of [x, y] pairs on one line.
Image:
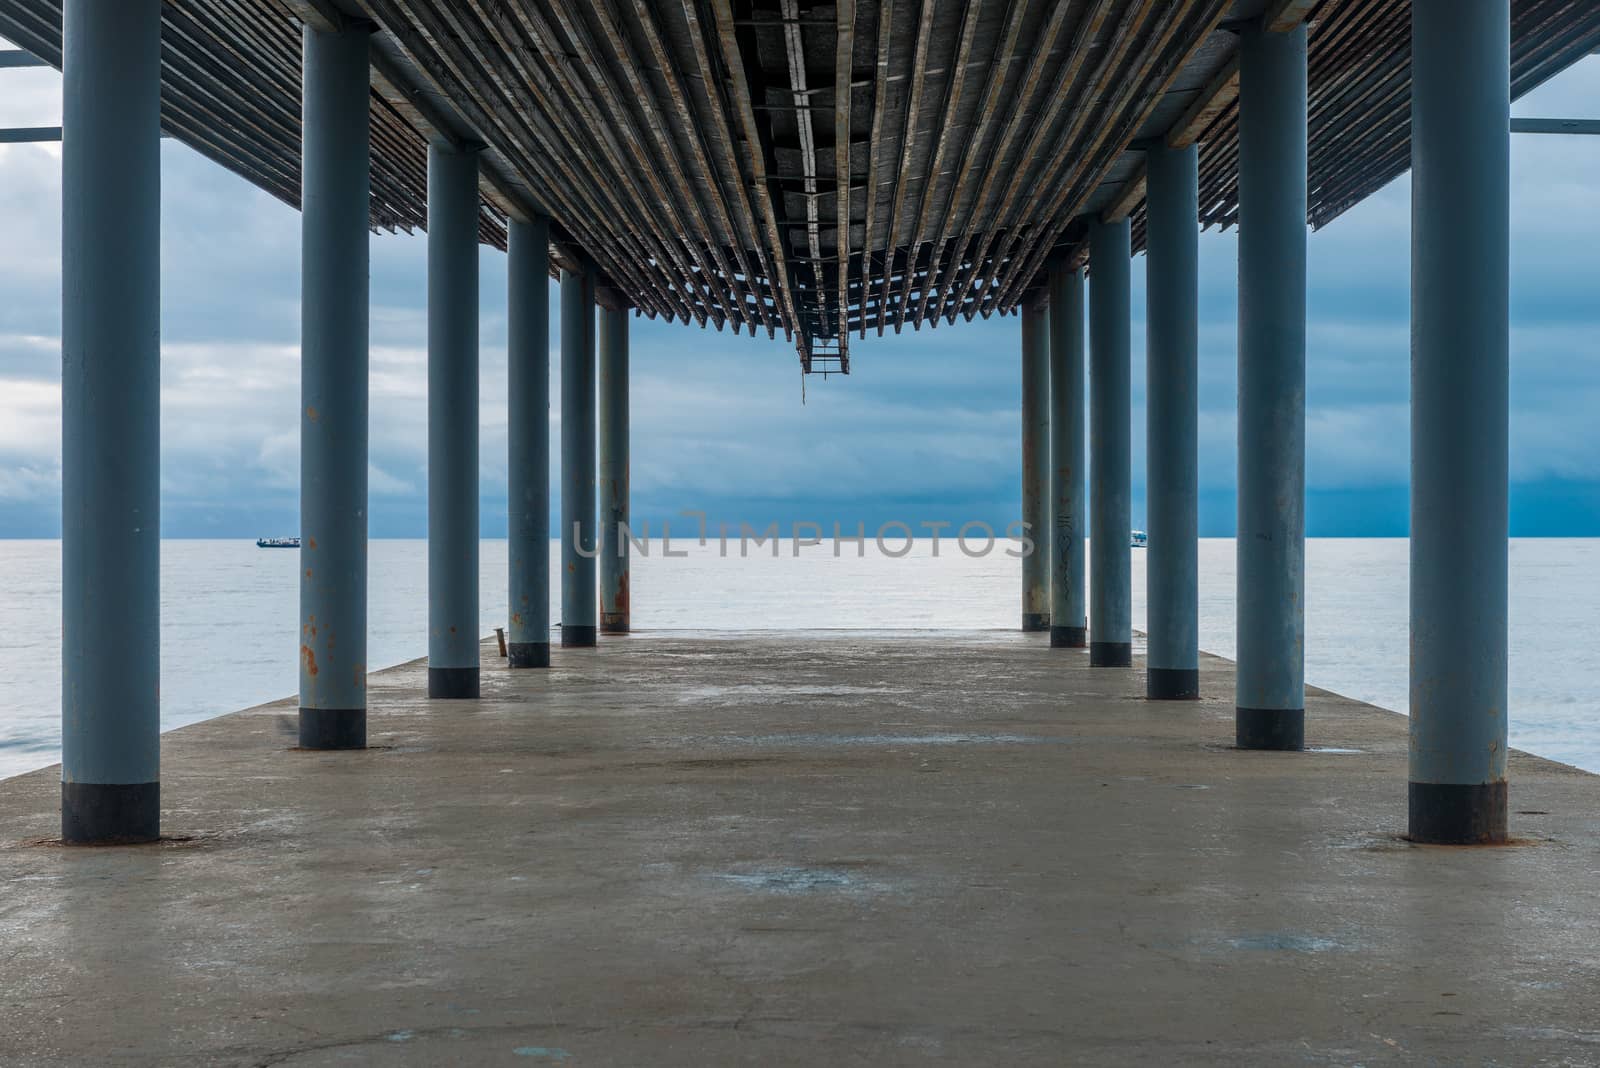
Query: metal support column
[[1460, 275], [452, 422], [333, 389], [528, 420], [110, 421], [1110, 446], [614, 614], [1270, 679], [1172, 338], [1068, 621], [578, 535], [1036, 460]]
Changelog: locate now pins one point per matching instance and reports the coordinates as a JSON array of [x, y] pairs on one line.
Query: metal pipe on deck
[[1036, 461], [1579, 127], [1460, 277], [1172, 338], [110, 421], [334, 256], [17, 58], [614, 585], [1068, 621], [452, 421], [1110, 446], [528, 420], [27, 135], [578, 534], [1270, 679]]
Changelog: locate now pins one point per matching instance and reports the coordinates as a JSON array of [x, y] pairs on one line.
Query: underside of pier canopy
[[817, 169]]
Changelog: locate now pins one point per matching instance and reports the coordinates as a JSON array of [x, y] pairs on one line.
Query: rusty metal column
[[1270, 541], [1069, 627], [111, 422], [333, 389], [1172, 340], [614, 591], [578, 541], [1036, 461], [528, 422], [1460, 371], [1110, 447], [452, 422]]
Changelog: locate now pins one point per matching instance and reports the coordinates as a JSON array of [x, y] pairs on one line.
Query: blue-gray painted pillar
[[1110, 447], [528, 423], [110, 421], [1069, 627], [578, 534], [452, 422], [1172, 437], [333, 389], [1460, 276], [1270, 678], [614, 584], [1036, 460]]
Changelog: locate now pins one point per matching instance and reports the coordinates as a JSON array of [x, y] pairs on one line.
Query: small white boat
[[277, 543], [1140, 539]]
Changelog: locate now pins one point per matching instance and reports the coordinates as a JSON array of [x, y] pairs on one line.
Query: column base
[[1110, 654], [528, 654], [1035, 621], [1068, 637], [453, 684], [1447, 813], [1269, 728], [575, 637], [616, 625], [95, 813], [1173, 684], [333, 728]]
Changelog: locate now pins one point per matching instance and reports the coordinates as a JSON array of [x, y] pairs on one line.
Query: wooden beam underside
[[1360, 101], [810, 169]]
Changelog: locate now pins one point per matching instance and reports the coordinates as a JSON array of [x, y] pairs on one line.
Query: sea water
[[229, 637]]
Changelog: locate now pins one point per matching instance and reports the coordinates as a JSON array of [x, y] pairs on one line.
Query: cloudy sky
[[925, 427]]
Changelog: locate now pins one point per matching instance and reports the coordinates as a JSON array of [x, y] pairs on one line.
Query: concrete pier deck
[[848, 848]]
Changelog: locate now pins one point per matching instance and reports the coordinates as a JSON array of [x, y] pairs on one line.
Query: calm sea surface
[[229, 640]]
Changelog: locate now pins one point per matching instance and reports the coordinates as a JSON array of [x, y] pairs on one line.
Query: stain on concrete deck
[[852, 849]]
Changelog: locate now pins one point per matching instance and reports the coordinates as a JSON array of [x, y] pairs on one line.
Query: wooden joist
[[1216, 98], [318, 14], [1284, 15], [810, 169]]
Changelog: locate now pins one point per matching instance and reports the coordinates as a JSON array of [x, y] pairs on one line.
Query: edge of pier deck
[[851, 848]]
